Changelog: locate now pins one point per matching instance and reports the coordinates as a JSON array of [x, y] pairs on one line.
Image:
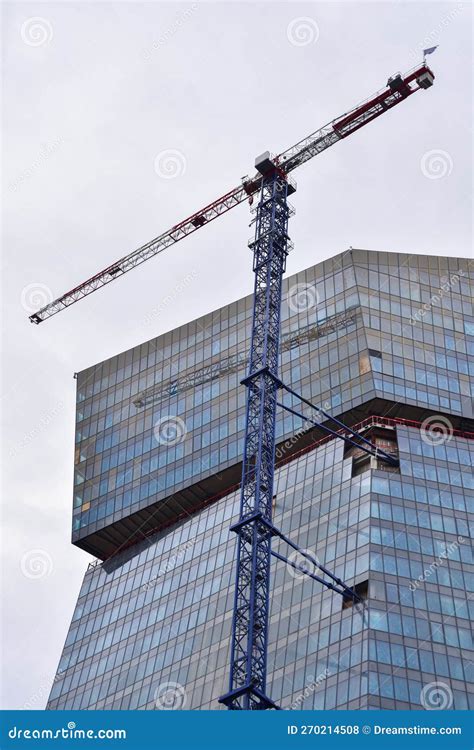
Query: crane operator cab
[[396, 84]]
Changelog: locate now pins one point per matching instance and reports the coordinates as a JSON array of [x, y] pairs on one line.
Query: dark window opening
[[375, 353], [380, 438], [361, 465], [361, 589]]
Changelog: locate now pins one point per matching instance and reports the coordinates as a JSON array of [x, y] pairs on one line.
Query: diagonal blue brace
[[272, 530], [377, 452], [248, 669], [308, 573], [371, 451]]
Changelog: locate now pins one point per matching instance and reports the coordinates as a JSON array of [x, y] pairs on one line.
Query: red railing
[[372, 421]]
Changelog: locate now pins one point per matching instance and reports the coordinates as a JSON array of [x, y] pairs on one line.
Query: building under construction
[[380, 341]]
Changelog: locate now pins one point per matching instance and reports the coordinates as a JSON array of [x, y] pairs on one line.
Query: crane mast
[[270, 247], [252, 587]]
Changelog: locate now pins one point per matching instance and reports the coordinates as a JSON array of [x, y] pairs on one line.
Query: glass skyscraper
[[383, 341]]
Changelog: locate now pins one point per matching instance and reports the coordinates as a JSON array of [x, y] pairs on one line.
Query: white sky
[[86, 112]]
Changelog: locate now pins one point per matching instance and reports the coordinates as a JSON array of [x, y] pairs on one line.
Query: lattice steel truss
[[238, 362], [250, 623], [398, 88]]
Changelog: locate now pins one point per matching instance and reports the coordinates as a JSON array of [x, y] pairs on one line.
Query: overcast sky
[[93, 94]]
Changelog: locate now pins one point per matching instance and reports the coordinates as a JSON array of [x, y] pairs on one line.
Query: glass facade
[[364, 334], [124, 461]]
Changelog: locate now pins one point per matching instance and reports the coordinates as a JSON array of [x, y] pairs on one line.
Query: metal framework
[[366, 446], [238, 362], [398, 88], [255, 529], [207, 374], [247, 686]]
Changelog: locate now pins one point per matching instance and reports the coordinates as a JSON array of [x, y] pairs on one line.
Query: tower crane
[[255, 528], [397, 90]]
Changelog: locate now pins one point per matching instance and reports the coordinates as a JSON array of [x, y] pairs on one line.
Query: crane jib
[[397, 90]]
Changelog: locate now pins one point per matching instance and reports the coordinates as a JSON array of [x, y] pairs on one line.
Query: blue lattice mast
[[248, 671]]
